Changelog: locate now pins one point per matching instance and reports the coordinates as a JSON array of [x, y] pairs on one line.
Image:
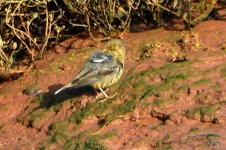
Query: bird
[[102, 69]]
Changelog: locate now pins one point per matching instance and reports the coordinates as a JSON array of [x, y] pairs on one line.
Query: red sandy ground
[[14, 135]]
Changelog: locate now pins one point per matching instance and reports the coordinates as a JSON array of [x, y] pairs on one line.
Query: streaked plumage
[[102, 69]]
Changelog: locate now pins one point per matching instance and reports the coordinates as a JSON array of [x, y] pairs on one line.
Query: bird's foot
[[108, 97], [105, 94], [104, 99]]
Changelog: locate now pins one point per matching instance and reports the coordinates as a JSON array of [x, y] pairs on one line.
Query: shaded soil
[[172, 96]]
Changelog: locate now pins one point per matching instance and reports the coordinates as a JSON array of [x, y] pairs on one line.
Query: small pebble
[[32, 91], [213, 143]]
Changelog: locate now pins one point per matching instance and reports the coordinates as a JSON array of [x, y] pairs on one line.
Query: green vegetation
[[79, 142], [164, 144], [120, 110], [158, 103], [203, 113], [91, 109], [58, 126], [223, 72], [194, 129]]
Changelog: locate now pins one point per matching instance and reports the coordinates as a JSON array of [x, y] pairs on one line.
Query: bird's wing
[[99, 64]]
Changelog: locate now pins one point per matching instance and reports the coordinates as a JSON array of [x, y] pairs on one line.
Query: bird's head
[[117, 48]]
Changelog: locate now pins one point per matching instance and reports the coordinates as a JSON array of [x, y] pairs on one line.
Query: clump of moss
[[121, 109], [86, 141], [35, 119], [58, 126], [158, 103], [194, 129], [201, 82], [93, 144], [163, 143], [34, 116], [96, 108], [203, 113], [223, 72], [216, 69], [59, 138]]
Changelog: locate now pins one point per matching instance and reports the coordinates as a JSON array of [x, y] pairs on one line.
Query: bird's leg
[[98, 94], [111, 95], [105, 94]]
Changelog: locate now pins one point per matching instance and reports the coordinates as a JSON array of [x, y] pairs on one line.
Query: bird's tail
[[64, 87], [78, 83]]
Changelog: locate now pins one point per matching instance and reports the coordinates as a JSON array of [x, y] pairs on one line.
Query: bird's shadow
[[50, 98]]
